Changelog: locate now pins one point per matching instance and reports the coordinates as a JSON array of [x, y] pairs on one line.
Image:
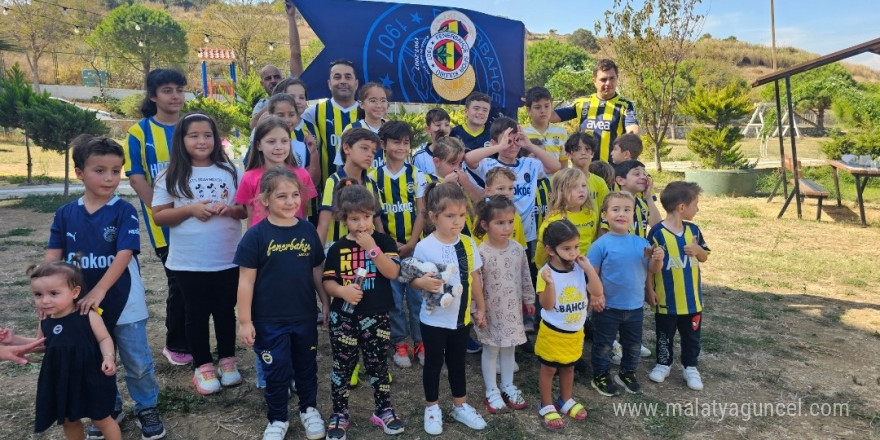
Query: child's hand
[[480, 318], [651, 297], [597, 303], [325, 308], [90, 301], [311, 146], [365, 240], [289, 8], [454, 176], [6, 336], [583, 262], [529, 309], [427, 283], [693, 248], [352, 294], [657, 254], [223, 209], [405, 250], [201, 210], [547, 276], [246, 333], [108, 366], [649, 187]]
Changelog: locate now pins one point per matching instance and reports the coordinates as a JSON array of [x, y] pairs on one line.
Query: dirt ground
[[792, 324]]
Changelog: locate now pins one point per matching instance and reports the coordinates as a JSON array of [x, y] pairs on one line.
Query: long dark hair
[[155, 79], [180, 168]]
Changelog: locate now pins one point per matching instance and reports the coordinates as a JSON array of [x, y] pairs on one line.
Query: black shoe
[[150, 423], [627, 379], [603, 384]]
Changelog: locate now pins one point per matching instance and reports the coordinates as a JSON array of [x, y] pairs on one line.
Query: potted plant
[[726, 171]]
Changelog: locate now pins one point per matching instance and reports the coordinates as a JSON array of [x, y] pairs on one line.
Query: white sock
[[489, 358], [508, 360]]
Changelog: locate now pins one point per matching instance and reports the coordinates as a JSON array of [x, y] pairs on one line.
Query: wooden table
[[861, 174]]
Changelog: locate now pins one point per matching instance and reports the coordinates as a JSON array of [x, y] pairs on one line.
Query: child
[[437, 126], [605, 171], [280, 269], [571, 200], [194, 197], [550, 137], [507, 294], [358, 150], [445, 331], [626, 147], [77, 376], [305, 152], [622, 261], [148, 150], [563, 287], [630, 176], [401, 194], [447, 162], [372, 107], [500, 181], [580, 147], [677, 292], [271, 149], [474, 133], [105, 228], [356, 274]]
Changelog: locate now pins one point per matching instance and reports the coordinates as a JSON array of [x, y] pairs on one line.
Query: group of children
[[482, 205]]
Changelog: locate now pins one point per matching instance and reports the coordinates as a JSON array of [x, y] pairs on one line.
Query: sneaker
[[95, 434], [513, 397], [494, 402], [473, 346], [276, 430], [659, 373], [419, 352], [229, 375], [151, 424], [644, 351], [312, 423], [177, 358], [604, 385], [692, 376], [433, 420], [469, 416], [205, 380], [355, 380], [616, 353], [389, 422], [627, 379], [498, 366], [401, 355], [337, 426]]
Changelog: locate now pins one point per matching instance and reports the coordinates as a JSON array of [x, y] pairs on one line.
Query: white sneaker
[[469, 416], [494, 402], [313, 423], [276, 430], [644, 351], [616, 353], [433, 420], [692, 376], [498, 366], [659, 373]]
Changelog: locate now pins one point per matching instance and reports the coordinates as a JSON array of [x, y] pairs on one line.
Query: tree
[[245, 27], [568, 83], [546, 57], [649, 45], [53, 124], [143, 37], [15, 96], [34, 28], [718, 107], [584, 39]]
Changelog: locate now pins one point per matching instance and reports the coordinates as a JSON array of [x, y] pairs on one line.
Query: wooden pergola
[[872, 46]]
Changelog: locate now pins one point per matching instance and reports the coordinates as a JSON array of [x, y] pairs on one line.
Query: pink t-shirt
[[249, 190]]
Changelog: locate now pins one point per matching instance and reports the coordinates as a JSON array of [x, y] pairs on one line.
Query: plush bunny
[[411, 268]]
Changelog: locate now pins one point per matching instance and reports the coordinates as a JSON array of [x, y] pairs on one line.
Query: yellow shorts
[[558, 349]]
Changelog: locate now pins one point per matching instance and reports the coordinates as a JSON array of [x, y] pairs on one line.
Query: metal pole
[[794, 158], [773, 36], [234, 79], [781, 141], [205, 78]]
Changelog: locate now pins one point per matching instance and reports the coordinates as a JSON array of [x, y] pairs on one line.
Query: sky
[[820, 27]]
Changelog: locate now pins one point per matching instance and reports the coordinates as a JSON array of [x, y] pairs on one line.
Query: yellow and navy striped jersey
[[586, 222], [397, 195], [471, 139], [552, 140], [148, 152], [641, 214], [606, 120], [542, 200], [336, 228], [678, 284], [379, 159], [329, 120]]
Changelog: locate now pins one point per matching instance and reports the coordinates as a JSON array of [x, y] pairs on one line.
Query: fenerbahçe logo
[[266, 356], [448, 55]]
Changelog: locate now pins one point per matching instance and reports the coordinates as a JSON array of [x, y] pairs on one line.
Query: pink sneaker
[[205, 379], [176, 358]]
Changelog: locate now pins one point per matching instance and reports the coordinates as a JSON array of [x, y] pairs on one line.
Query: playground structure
[[212, 86]]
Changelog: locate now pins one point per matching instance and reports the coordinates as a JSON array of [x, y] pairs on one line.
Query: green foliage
[[548, 56], [816, 90], [160, 40], [856, 142], [227, 116], [859, 107], [249, 90], [130, 106], [584, 39], [567, 83], [416, 122], [16, 94], [719, 108]]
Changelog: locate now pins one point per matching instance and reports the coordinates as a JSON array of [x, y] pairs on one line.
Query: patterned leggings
[[370, 334]]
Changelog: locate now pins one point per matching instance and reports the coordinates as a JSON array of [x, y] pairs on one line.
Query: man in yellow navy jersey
[[331, 116], [605, 113]]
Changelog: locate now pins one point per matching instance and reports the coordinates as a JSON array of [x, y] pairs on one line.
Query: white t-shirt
[[528, 171], [431, 249], [570, 288], [202, 246]]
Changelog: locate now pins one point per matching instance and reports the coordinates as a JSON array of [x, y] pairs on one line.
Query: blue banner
[[427, 54]]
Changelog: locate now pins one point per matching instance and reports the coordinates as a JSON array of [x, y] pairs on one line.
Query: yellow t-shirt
[[586, 222], [598, 189], [518, 235]]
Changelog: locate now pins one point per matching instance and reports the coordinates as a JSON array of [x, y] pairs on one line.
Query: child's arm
[[594, 284], [427, 282], [314, 167], [246, 278], [418, 226], [317, 274], [377, 224], [384, 264], [168, 215], [472, 158], [235, 211], [551, 164], [654, 215], [350, 293], [105, 342], [479, 299], [324, 219], [52, 255], [650, 293], [547, 297], [472, 191], [8, 337], [693, 249], [93, 299], [528, 290], [296, 65], [657, 255]]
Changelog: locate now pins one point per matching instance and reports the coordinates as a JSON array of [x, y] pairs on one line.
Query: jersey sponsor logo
[[680, 262], [570, 308], [591, 124], [72, 235], [522, 190], [134, 232], [302, 246], [394, 208], [110, 233], [92, 261], [156, 168]]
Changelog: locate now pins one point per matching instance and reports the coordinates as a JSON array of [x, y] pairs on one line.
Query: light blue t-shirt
[[622, 267]]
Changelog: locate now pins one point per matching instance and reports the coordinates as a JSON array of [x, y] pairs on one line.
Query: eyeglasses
[[377, 101]]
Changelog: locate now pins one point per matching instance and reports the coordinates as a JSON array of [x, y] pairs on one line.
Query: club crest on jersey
[[527, 177], [266, 356], [57, 329], [410, 188], [110, 233]]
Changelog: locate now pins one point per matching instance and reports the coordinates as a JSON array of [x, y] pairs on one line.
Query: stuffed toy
[[411, 268]]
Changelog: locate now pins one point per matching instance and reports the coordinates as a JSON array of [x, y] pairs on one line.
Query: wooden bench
[[808, 188]]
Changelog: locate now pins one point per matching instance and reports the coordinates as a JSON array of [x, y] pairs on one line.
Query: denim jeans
[[606, 325], [140, 376], [399, 316]]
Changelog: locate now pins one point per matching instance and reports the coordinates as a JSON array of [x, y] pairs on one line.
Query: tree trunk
[[30, 159], [718, 159], [34, 64], [820, 119], [66, 172]]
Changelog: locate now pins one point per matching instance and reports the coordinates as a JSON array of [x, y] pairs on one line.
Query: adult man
[[270, 76], [331, 116], [605, 113]]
